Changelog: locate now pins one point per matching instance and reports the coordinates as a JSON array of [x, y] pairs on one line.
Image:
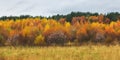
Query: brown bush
[[56, 37]]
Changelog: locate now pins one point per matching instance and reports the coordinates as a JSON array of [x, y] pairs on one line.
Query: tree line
[[113, 16]]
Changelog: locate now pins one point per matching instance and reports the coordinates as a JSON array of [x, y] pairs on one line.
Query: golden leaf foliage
[[39, 40]]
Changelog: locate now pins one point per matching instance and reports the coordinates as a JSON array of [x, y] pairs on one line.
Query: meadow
[[61, 53]]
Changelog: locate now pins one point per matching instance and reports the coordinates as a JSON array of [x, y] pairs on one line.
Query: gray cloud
[[52, 7]]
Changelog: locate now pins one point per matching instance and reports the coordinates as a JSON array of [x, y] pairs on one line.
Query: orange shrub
[[82, 35]]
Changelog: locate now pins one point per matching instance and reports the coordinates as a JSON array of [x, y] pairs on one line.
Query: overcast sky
[[53, 7]]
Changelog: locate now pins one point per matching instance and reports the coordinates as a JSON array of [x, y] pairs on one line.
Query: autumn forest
[[76, 28]]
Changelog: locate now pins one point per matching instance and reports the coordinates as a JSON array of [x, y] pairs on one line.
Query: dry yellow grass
[[61, 53]]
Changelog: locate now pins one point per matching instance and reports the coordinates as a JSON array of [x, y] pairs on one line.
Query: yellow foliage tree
[[67, 25], [39, 40], [47, 26]]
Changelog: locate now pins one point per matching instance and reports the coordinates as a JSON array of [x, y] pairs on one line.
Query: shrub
[[110, 38], [99, 37], [28, 35], [110, 35], [82, 35], [1, 40], [92, 33], [39, 40], [54, 31], [73, 34], [56, 37]]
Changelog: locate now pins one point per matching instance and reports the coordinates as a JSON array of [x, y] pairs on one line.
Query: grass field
[[61, 53]]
